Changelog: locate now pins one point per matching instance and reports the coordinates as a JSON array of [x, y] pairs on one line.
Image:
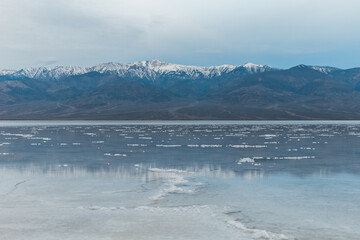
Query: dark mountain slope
[[301, 92]]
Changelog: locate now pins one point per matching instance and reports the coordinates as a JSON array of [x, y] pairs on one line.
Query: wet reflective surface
[[179, 180]]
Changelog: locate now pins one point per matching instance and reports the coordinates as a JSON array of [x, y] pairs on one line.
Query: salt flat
[[175, 180]]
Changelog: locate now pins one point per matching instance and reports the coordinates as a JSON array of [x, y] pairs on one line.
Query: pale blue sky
[[280, 33]]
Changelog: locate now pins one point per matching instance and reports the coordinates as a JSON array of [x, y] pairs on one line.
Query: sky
[[279, 33]]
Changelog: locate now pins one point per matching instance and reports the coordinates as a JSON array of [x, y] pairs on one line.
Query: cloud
[[189, 31]]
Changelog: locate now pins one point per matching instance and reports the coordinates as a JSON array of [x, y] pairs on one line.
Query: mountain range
[[158, 90]]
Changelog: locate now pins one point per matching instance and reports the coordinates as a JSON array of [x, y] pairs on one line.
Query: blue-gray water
[[179, 180]]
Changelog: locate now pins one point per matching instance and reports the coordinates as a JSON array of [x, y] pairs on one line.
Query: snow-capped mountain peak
[[252, 65], [256, 68], [150, 70]]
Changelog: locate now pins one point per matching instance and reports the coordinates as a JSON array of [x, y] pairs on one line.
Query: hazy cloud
[[277, 32]]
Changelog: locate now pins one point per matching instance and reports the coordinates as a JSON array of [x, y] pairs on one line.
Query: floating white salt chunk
[[247, 146], [119, 155], [210, 146], [169, 146], [246, 160], [90, 134]]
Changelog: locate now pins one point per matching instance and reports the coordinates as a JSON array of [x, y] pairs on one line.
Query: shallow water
[[179, 180]]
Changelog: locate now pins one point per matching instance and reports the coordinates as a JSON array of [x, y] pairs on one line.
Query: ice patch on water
[[302, 137], [295, 158], [168, 146], [17, 135], [115, 154], [252, 159], [236, 135], [145, 138], [41, 138], [247, 146], [90, 134], [133, 145], [119, 155], [246, 160], [210, 146], [327, 135], [268, 135]]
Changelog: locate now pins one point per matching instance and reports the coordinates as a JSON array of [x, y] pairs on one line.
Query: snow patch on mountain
[[43, 73], [325, 70], [7, 72]]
